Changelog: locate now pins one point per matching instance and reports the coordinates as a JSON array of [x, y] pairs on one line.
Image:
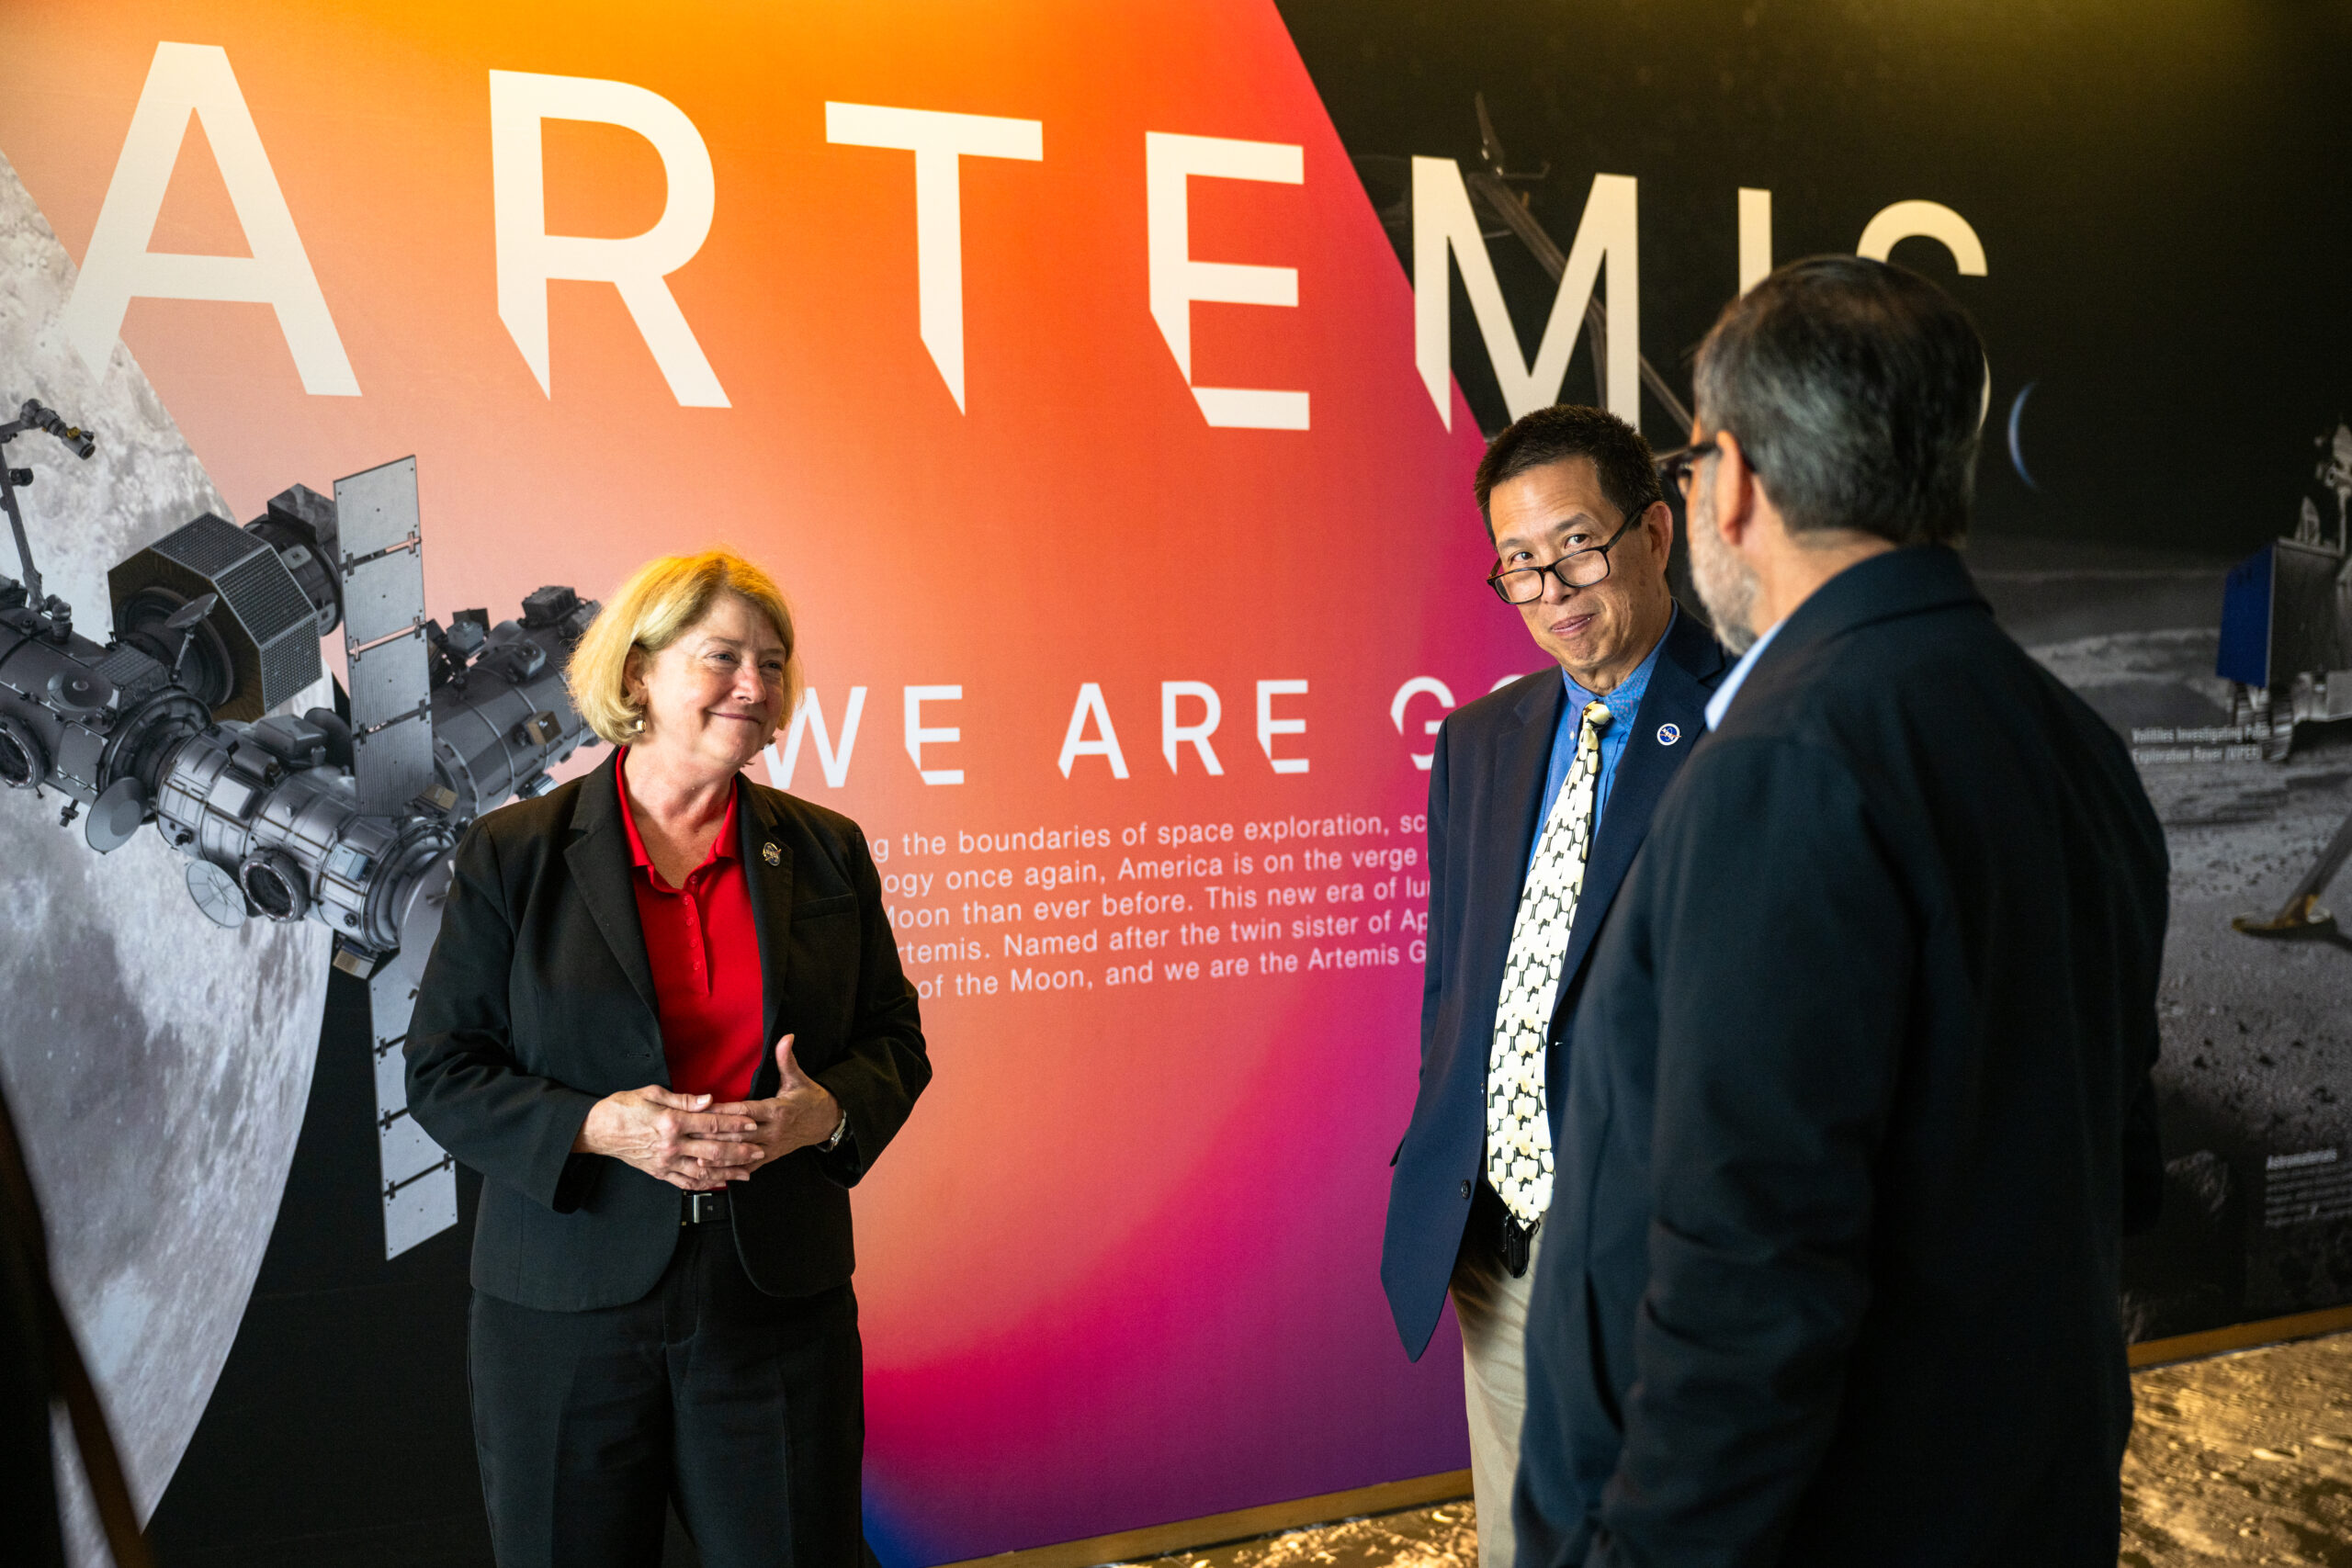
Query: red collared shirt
[[705, 949]]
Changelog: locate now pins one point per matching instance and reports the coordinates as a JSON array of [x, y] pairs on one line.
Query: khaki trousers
[[1492, 1309]]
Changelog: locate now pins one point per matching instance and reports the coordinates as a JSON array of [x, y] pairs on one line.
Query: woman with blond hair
[[665, 1020]]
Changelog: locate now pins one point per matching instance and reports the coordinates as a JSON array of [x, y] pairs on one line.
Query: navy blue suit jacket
[[1485, 790], [1860, 1109]]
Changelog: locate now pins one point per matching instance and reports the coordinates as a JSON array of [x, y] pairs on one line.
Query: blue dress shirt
[[1622, 704], [1720, 703]]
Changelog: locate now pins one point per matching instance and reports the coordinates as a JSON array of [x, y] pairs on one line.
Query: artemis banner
[[1110, 424], [1053, 360]]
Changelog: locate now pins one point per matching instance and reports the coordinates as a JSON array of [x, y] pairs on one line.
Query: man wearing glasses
[[1539, 796], [1860, 1107]]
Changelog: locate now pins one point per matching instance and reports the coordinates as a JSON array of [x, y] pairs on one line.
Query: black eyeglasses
[[1578, 569], [1676, 468]]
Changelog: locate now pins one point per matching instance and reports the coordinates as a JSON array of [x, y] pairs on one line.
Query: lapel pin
[[770, 853], [1668, 734]]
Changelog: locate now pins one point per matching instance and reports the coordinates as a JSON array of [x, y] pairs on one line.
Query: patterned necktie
[[1519, 1135]]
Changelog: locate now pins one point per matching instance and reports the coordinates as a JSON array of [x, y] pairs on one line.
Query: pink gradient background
[[1122, 1266]]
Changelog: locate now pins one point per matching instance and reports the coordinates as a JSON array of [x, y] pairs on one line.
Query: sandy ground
[[2243, 1459], [1442, 1537]]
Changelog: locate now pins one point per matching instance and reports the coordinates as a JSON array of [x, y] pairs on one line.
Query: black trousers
[[746, 1409]]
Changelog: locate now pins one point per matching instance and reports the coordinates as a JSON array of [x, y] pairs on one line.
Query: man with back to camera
[[1539, 796], [1863, 1107]]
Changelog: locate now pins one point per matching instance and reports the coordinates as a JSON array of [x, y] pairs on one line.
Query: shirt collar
[[1625, 698], [721, 848], [1720, 703]]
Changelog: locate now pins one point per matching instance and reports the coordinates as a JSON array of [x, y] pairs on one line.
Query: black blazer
[[1486, 792], [1860, 1112], [539, 1001]]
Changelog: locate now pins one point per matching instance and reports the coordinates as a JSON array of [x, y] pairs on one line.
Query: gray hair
[[1855, 390]]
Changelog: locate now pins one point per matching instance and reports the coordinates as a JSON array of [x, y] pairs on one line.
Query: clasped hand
[[696, 1146]]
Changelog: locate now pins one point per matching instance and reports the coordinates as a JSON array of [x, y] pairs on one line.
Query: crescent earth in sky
[[2017, 451]]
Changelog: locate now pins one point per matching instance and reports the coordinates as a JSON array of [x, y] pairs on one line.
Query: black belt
[[1513, 1241], [710, 1208]]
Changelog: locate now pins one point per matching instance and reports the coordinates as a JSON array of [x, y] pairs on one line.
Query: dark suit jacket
[[1861, 1110], [1486, 790], [539, 1001]]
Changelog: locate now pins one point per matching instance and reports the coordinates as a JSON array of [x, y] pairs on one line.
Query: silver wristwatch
[[839, 1133]]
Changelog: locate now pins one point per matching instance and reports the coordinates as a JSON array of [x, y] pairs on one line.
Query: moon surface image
[[2256, 1046], [158, 1064]]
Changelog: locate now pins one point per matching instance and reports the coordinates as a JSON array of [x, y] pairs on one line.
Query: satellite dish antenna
[[217, 894], [115, 815], [183, 622]]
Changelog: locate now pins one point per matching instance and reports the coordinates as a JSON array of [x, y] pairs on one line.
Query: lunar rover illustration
[[2287, 651]]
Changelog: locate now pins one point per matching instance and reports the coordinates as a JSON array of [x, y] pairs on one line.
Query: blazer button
[[1465, 1190]]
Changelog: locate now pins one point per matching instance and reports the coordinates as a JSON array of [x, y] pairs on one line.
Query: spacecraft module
[[173, 721]]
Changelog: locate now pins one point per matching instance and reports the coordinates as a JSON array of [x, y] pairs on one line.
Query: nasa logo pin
[[771, 854], [1668, 734]]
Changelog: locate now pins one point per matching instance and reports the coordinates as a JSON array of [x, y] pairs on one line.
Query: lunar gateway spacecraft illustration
[[172, 721]]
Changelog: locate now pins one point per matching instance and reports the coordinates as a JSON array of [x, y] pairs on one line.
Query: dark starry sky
[[2163, 189]]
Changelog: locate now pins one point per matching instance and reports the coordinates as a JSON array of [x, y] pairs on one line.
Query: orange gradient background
[[1122, 1266]]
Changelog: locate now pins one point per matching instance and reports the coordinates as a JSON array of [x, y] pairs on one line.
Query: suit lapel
[[1675, 704], [599, 861], [1520, 769], [1521, 755], [767, 870], [1898, 582]]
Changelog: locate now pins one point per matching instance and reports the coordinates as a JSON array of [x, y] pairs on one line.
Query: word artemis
[[194, 82]]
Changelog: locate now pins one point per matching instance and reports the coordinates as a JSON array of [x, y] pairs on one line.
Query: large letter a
[[195, 78]]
